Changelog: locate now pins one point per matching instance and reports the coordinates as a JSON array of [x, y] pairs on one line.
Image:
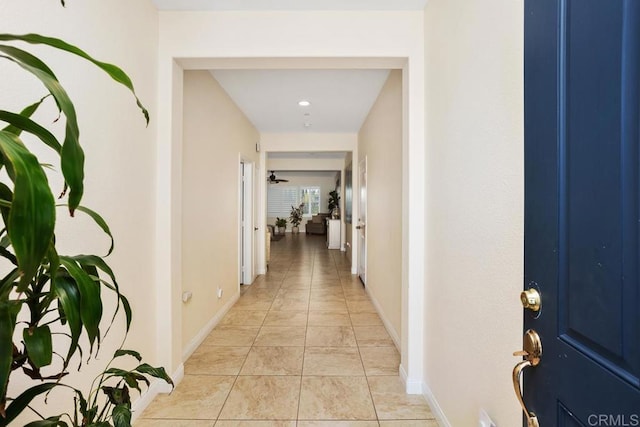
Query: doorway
[[362, 221], [412, 244], [248, 229]]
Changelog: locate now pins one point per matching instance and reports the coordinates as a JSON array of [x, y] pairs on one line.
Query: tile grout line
[[306, 330], [322, 264], [366, 377], [235, 381]]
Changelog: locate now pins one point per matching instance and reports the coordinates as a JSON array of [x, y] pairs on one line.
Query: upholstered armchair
[[317, 224]]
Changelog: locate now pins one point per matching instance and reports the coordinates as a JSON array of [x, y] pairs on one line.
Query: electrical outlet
[[485, 421], [186, 296]]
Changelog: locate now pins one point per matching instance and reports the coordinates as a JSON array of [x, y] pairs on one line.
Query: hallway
[[302, 346]]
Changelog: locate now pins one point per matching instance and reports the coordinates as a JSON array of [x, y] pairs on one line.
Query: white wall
[[120, 150], [307, 141], [305, 164], [325, 180], [380, 143], [215, 133], [474, 71]]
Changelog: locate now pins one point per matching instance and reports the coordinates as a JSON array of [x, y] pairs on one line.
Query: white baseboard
[[411, 386], [200, 337], [392, 332], [436, 410], [157, 387], [177, 377]]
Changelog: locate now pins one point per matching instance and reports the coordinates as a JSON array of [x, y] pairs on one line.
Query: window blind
[[280, 199]]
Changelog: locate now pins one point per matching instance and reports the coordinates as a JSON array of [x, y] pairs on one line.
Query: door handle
[[532, 353], [255, 228]]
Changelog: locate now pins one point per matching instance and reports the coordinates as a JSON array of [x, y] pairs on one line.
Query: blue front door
[[582, 219]]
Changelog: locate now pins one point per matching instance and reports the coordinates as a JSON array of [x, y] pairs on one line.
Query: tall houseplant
[[43, 291], [296, 217], [334, 204]]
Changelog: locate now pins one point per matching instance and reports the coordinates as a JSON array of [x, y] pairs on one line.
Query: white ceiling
[[340, 99], [290, 4]]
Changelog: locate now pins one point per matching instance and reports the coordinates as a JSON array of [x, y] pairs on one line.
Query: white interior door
[[362, 221], [248, 234]]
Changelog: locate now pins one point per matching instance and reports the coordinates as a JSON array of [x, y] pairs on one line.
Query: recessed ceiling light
[[307, 114], [304, 103], [307, 124]]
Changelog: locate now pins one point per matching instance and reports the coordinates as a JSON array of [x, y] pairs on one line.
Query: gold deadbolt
[[531, 299]]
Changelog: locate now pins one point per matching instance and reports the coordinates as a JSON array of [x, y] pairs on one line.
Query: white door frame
[[246, 197], [362, 220], [399, 49]]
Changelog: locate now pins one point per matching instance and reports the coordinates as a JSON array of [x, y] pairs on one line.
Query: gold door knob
[[531, 299], [532, 353]]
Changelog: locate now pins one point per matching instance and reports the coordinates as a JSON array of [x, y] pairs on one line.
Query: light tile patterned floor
[[302, 347]]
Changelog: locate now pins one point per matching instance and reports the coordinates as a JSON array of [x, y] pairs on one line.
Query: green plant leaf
[[122, 352], [21, 402], [22, 123], [8, 313], [71, 156], [49, 422], [90, 300], [113, 71], [8, 255], [131, 378], [39, 345], [121, 416], [145, 368], [69, 298], [94, 261], [26, 57], [101, 223], [32, 217], [7, 283], [117, 395], [125, 305], [27, 112], [54, 260], [5, 194]]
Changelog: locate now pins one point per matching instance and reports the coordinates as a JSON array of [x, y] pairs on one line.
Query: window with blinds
[[280, 198]]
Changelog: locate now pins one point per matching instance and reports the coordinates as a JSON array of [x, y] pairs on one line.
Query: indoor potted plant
[[296, 218], [56, 294], [334, 204], [281, 225]]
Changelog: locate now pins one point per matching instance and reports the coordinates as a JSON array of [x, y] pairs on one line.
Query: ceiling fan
[[273, 180]]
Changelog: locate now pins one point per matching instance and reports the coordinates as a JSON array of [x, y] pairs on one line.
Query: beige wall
[[215, 133], [380, 141], [120, 151], [474, 123]]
